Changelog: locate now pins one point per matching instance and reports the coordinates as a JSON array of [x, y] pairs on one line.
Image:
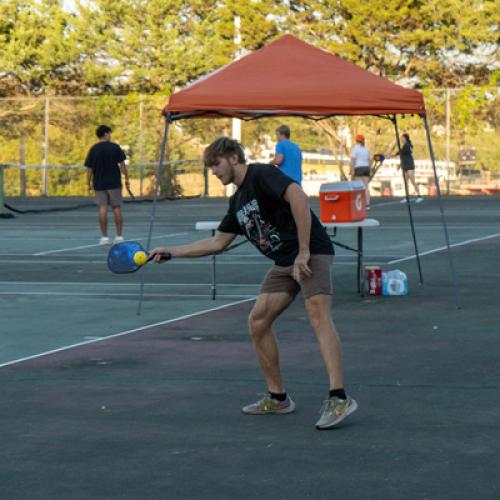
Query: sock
[[278, 396], [339, 393]]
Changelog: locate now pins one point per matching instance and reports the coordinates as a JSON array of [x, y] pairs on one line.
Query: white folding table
[[333, 226], [359, 225]]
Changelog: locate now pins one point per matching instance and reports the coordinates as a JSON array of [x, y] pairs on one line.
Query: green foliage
[[117, 61], [425, 43], [157, 46]]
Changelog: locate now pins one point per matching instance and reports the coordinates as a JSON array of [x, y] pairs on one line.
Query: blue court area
[[102, 403]]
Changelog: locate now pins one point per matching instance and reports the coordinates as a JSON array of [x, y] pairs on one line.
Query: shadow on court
[[156, 414]]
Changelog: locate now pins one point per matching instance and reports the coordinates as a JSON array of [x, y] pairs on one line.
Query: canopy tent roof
[[291, 77]]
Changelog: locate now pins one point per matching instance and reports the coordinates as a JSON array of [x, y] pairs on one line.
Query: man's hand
[[156, 254], [301, 267], [89, 190]]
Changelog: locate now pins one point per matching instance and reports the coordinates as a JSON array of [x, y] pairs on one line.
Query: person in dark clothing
[[272, 211], [408, 165], [105, 164]]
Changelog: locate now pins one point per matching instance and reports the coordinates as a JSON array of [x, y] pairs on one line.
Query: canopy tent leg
[[443, 219], [155, 199], [410, 214]]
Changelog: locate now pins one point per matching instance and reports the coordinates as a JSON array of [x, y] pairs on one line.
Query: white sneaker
[[403, 201], [118, 239], [419, 200], [104, 241]]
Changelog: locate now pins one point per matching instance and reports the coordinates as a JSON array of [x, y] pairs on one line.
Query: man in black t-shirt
[[105, 163], [272, 212]]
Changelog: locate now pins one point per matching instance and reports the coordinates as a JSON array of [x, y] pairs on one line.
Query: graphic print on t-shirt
[[261, 233]]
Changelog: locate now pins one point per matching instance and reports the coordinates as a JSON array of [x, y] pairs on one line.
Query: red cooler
[[342, 201]]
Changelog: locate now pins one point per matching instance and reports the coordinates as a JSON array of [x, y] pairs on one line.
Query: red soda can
[[374, 280]]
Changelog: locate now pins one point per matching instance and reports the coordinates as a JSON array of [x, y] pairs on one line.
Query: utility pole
[[236, 123]]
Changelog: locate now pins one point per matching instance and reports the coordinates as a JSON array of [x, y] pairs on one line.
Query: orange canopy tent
[[292, 78]]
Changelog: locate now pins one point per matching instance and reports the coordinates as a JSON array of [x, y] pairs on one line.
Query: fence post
[[22, 163], [3, 213], [45, 149], [141, 160], [448, 141], [205, 179]]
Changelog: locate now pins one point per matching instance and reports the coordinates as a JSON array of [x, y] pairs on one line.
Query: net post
[[3, 212], [168, 120]]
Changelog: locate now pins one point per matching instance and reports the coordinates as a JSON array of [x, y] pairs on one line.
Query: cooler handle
[[332, 198]]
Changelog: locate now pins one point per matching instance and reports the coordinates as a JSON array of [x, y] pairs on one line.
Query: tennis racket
[[130, 256]]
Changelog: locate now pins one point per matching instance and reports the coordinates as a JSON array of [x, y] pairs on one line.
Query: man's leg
[[117, 212], [103, 219], [365, 181], [115, 196], [338, 405], [267, 308], [319, 312]]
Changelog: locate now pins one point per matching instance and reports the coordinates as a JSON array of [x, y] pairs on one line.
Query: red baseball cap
[[360, 138]]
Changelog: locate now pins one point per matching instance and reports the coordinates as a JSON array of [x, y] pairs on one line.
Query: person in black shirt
[[105, 163], [272, 212], [408, 165]]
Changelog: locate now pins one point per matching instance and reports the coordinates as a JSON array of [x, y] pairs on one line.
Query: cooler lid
[[341, 186]]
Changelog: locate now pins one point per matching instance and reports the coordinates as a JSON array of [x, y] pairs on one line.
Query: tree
[[420, 42]]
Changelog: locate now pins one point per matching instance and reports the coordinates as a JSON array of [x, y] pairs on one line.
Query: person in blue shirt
[[288, 157]]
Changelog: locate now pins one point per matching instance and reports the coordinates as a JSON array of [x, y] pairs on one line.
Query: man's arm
[[124, 171], [90, 177], [200, 248], [279, 155], [299, 204], [278, 159]]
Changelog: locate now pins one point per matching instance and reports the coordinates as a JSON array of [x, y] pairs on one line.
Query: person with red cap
[[360, 165]]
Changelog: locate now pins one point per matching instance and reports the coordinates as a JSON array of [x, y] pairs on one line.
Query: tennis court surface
[[98, 402]]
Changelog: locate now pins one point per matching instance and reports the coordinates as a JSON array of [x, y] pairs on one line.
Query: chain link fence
[[44, 141]]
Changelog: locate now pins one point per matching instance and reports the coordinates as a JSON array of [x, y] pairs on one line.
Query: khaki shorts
[[280, 279], [111, 197]]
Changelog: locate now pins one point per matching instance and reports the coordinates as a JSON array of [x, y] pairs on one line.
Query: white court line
[[110, 283], [440, 249], [120, 334], [98, 245], [120, 294], [66, 249], [171, 263], [30, 238], [375, 205]]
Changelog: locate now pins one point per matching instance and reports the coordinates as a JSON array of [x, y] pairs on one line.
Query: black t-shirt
[[259, 212], [103, 158], [407, 157]]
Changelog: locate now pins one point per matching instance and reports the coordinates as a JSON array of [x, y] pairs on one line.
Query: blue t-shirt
[[292, 159]]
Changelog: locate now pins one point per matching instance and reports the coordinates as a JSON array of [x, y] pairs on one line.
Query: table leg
[[214, 277], [361, 290]]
